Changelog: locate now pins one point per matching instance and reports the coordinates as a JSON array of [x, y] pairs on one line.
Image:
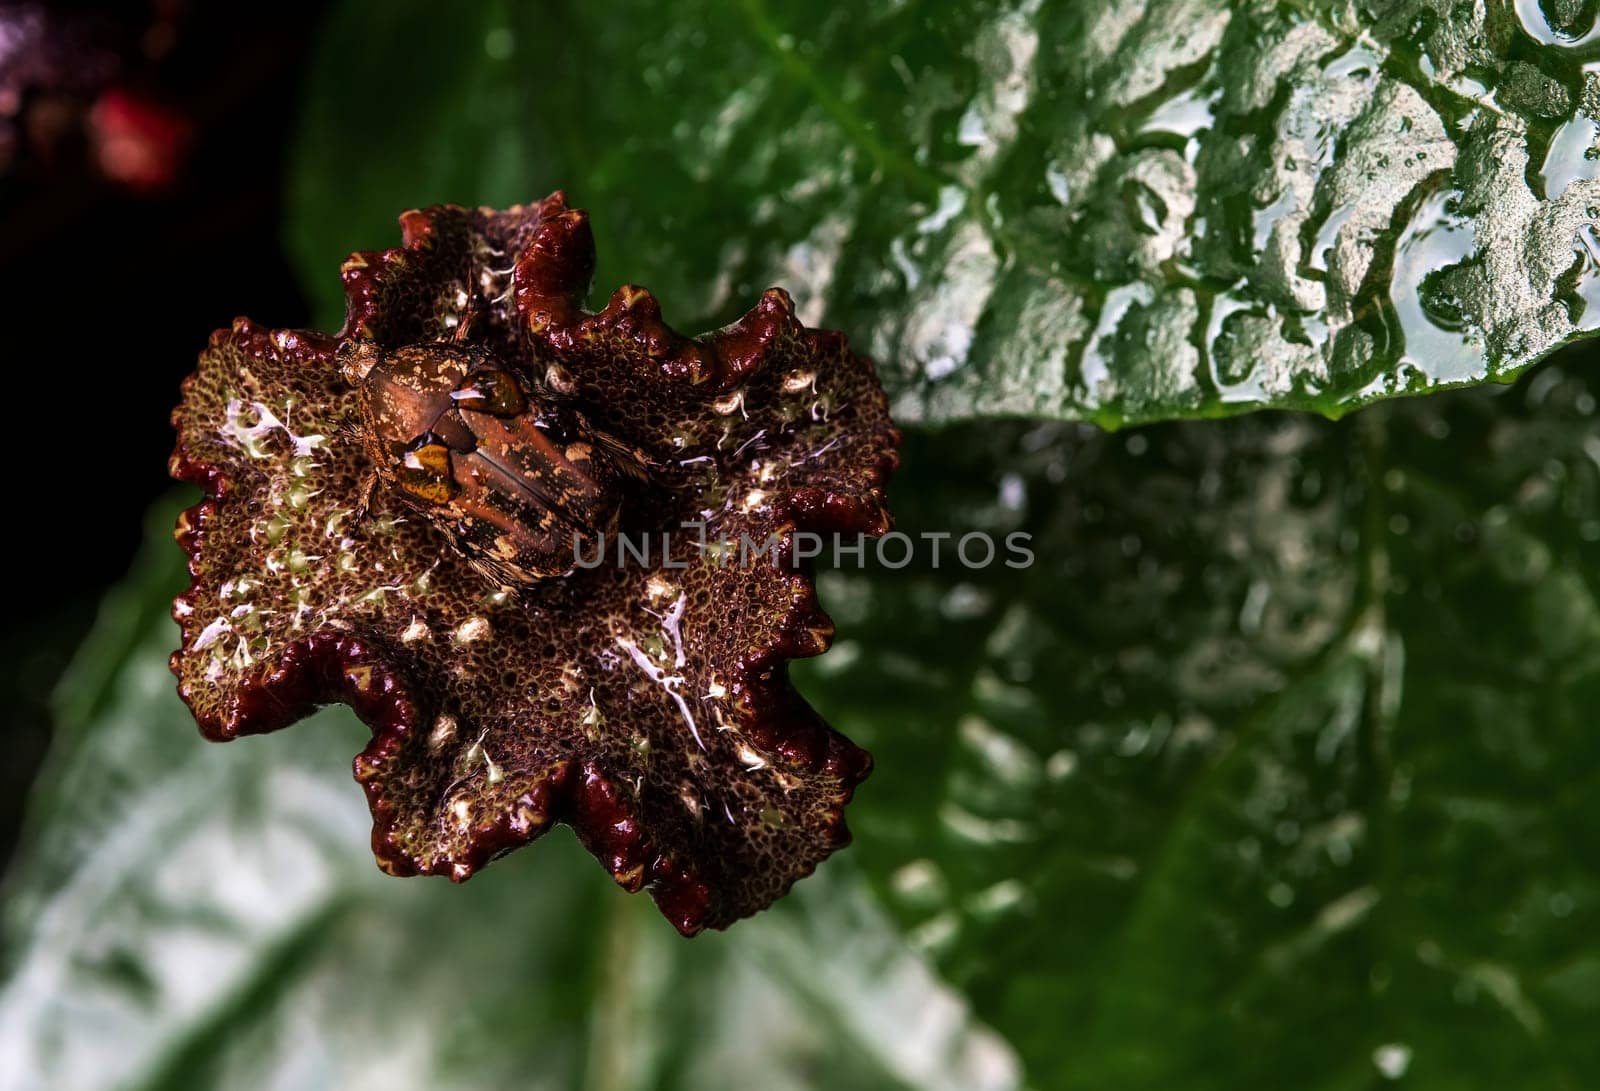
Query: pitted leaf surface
[[646, 704]]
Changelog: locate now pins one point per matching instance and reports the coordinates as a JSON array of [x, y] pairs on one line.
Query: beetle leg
[[369, 489], [629, 460]]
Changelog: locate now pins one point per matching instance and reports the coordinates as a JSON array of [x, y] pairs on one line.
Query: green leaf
[[1277, 769], [1117, 210], [191, 915]]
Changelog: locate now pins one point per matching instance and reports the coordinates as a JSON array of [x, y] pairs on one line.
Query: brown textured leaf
[[647, 706]]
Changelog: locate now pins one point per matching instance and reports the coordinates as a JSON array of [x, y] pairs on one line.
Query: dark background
[[141, 168]]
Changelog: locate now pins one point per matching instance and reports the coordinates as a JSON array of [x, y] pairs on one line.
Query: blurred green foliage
[[1275, 770]]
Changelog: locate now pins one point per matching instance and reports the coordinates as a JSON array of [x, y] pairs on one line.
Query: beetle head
[[357, 358]]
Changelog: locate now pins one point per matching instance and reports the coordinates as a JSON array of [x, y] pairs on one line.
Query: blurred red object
[[71, 98], [137, 141]]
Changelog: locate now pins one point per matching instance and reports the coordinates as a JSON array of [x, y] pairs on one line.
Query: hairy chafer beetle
[[517, 481]]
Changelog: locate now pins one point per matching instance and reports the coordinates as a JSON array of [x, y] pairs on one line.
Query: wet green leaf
[[1118, 210], [1277, 769], [190, 915]]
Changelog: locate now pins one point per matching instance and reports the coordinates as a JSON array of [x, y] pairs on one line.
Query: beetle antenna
[[469, 314]]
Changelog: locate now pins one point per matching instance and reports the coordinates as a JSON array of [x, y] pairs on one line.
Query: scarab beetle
[[518, 481]]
